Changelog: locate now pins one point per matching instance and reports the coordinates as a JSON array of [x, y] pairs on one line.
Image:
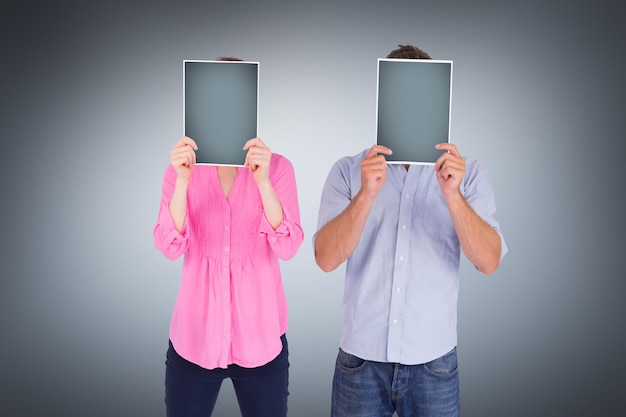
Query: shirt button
[[226, 228], [398, 289], [402, 258], [226, 249], [404, 227], [406, 196], [395, 321]]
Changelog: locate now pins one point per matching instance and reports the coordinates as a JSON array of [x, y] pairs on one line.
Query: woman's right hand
[[183, 156]]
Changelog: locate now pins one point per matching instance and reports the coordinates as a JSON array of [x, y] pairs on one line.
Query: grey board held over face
[[220, 108], [413, 108]]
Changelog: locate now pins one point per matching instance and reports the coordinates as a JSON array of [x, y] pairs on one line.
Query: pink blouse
[[231, 305]]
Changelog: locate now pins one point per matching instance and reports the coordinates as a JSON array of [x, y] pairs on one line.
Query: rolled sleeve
[[478, 190], [288, 236], [167, 238]]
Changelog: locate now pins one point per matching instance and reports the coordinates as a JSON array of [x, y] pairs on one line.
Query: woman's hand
[[183, 156], [258, 160]]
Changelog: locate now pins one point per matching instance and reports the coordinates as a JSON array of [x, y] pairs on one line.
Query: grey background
[[413, 108], [91, 106], [220, 109]]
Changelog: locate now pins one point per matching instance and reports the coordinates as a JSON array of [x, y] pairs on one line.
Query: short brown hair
[[408, 52], [228, 58]]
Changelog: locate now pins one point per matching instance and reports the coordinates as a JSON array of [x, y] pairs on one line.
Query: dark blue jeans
[[191, 391], [373, 389]]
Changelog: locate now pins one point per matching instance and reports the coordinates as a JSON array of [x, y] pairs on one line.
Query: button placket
[[401, 273], [226, 261]]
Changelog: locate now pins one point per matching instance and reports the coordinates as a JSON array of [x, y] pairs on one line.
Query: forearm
[[178, 203], [338, 239], [271, 204], [480, 243]]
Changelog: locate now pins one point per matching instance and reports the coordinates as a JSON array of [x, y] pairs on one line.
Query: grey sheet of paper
[[220, 108], [413, 108]]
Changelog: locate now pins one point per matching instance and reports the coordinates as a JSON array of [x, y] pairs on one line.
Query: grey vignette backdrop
[[91, 105]]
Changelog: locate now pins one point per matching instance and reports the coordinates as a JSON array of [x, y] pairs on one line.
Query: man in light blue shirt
[[401, 229]]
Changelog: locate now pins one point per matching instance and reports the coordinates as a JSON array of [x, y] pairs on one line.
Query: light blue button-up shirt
[[402, 281]]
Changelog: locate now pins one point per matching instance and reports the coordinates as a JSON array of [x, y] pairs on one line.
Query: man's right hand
[[374, 170]]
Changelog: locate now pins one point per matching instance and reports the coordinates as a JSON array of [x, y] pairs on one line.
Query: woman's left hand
[[258, 160]]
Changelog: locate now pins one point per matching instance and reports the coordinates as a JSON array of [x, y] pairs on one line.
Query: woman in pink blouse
[[232, 224]]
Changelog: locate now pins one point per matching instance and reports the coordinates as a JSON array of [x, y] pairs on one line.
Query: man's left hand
[[449, 168]]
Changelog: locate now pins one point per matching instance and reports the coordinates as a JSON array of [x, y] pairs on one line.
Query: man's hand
[[449, 168], [374, 170]]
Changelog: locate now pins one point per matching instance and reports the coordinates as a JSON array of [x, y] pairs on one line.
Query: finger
[[375, 174], [259, 162], [255, 154], [260, 143], [373, 167], [439, 162], [446, 157], [379, 165], [375, 160], [249, 143], [185, 150], [378, 149], [183, 146], [182, 160], [445, 172], [186, 140], [452, 168], [254, 142], [259, 150], [258, 153], [450, 147], [444, 163]]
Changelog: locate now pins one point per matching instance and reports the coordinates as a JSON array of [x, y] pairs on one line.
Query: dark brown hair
[[408, 52], [228, 58]]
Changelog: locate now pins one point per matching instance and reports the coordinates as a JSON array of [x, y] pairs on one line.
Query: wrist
[[263, 182], [364, 197], [452, 196], [265, 187], [182, 181]]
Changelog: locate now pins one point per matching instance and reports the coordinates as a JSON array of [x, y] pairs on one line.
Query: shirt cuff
[[282, 229], [170, 233]]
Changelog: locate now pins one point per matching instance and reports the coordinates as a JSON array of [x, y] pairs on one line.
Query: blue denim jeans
[[373, 389], [191, 391]]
